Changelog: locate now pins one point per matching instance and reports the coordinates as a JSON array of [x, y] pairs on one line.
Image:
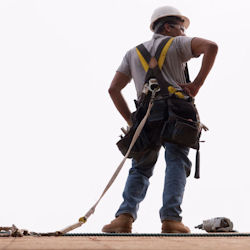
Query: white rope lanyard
[[83, 219]]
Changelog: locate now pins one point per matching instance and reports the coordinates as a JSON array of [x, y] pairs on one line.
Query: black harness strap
[[186, 74]]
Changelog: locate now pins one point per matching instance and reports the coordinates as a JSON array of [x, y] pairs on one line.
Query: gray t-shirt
[[173, 68]]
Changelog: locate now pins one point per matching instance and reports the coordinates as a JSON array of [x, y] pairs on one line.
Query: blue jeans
[[177, 169]]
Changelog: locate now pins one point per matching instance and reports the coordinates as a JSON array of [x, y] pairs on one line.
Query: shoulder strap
[[160, 54], [162, 50], [144, 56]]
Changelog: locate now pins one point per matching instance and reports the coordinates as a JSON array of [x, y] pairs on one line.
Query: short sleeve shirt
[[173, 68]]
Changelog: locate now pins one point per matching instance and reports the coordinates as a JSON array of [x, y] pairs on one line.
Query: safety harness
[[178, 120], [153, 67]]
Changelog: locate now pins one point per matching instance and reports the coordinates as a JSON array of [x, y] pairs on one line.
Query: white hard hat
[[167, 11]]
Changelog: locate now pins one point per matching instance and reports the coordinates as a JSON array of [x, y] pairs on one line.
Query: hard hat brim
[[186, 21]]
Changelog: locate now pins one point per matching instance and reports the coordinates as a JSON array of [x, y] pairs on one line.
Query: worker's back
[[173, 68]]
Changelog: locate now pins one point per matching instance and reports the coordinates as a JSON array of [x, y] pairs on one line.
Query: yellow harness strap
[[164, 53], [143, 61]]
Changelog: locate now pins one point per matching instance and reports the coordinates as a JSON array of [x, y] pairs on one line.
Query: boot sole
[[175, 232], [117, 230]]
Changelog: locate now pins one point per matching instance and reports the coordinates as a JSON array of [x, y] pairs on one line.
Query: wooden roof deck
[[92, 242]]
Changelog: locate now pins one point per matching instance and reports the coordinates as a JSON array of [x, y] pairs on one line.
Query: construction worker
[[165, 21]]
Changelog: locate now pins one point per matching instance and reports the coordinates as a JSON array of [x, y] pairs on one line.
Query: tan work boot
[[121, 224], [171, 226]]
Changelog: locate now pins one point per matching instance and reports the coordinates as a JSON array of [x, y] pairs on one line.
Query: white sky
[[58, 126]]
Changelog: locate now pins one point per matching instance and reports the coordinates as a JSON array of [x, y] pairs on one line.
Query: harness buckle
[[153, 85]]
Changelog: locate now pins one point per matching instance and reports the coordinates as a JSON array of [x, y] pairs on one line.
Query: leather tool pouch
[[149, 137], [182, 126]]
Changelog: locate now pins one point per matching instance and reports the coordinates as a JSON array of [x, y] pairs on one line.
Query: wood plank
[[124, 243]]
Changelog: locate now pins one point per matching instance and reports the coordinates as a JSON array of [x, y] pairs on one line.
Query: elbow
[[112, 91], [212, 48]]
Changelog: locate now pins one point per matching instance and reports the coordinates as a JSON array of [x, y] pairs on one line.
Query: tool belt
[[171, 120]]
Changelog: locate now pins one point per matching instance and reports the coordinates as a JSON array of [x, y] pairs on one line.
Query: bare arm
[[209, 50], [119, 81]]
